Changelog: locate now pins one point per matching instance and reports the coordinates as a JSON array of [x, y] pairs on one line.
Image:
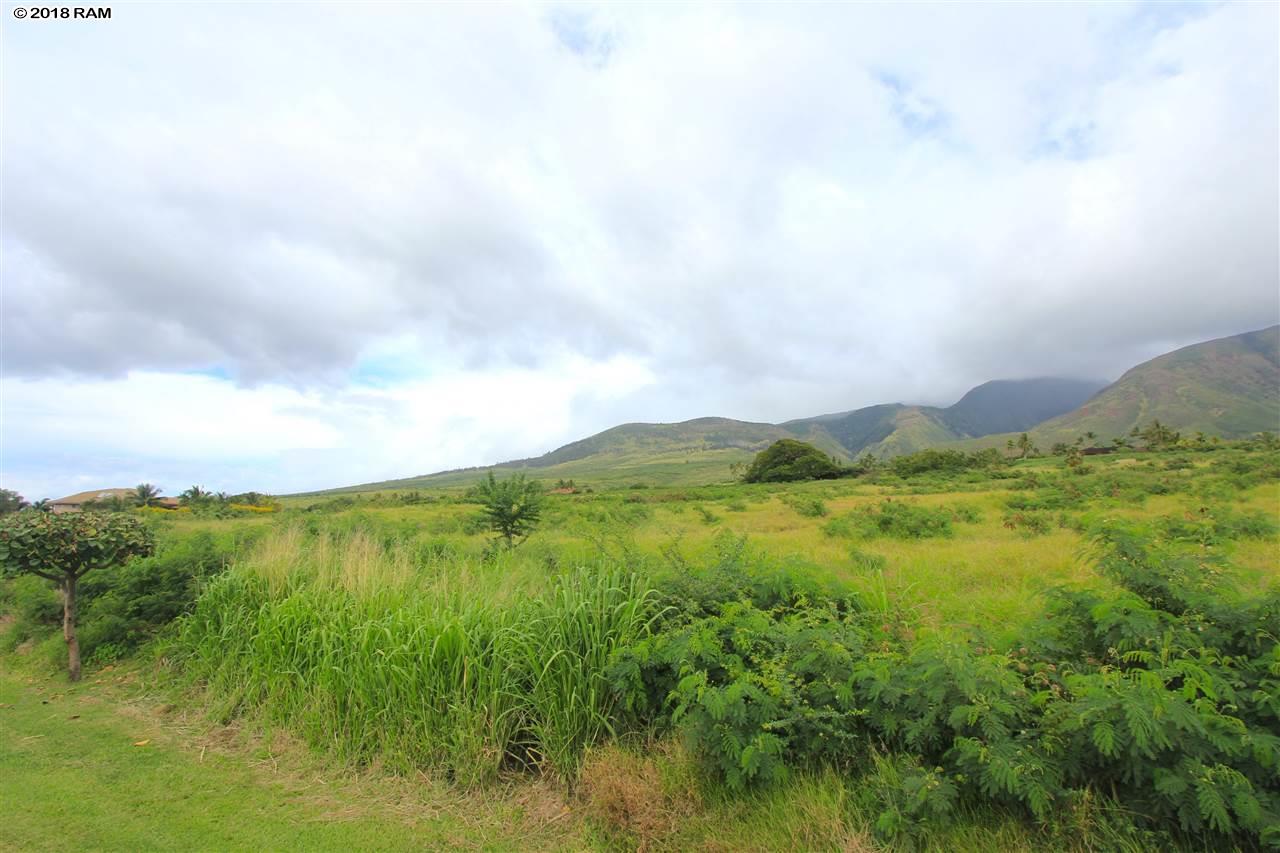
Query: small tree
[[1025, 446], [11, 501], [512, 507], [62, 548]]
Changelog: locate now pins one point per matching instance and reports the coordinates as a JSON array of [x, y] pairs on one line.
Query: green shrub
[[36, 608], [1161, 691], [806, 505], [967, 513], [1028, 523], [867, 561], [1213, 526], [123, 606], [945, 462], [892, 519]]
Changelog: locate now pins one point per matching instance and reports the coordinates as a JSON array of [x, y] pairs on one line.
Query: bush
[[1160, 691], [807, 506], [1213, 526], [944, 461], [123, 606], [1028, 523], [893, 519], [967, 513]]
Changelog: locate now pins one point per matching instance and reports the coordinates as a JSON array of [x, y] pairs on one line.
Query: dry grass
[[641, 798]]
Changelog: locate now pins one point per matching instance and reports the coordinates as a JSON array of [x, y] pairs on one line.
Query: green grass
[[76, 781], [459, 666], [72, 777]]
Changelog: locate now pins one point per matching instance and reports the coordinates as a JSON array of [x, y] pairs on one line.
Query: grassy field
[[469, 697]]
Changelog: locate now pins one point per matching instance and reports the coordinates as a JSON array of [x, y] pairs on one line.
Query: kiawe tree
[[512, 507], [62, 548], [788, 460]]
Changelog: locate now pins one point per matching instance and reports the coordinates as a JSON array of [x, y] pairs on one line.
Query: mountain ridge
[[1227, 386]]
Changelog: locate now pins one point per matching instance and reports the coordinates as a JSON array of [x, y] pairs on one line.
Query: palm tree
[[194, 495], [145, 494]]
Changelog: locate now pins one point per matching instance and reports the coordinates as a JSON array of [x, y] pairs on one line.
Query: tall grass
[[453, 665]]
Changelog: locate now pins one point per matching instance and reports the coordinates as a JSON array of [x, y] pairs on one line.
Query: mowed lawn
[[80, 769]]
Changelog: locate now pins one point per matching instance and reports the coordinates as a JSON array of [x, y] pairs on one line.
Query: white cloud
[[179, 429], [776, 210]]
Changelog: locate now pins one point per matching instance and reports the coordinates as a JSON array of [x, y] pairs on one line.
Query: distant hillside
[[1228, 387], [993, 407], [703, 449], [699, 434], [1014, 405]]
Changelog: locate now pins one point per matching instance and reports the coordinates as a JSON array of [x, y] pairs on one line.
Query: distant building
[[76, 502]]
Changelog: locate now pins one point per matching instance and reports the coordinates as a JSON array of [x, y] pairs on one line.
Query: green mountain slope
[[704, 449], [993, 407], [1229, 387], [697, 451]]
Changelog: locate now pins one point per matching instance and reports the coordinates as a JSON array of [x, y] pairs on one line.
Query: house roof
[[94, 495]]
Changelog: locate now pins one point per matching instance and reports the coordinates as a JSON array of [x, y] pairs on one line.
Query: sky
[[286, 247]]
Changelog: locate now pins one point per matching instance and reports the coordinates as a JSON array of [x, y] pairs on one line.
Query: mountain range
[[1228, 387]]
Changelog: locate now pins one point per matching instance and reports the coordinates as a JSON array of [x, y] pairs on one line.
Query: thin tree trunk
[[69, 627]]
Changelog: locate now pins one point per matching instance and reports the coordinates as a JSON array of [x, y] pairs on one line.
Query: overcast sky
[[286, 247]]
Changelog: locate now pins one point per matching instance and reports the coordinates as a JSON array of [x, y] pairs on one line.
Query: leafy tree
[[511, 507], [788, 460], [145, 494], [11, 501], [42, 505], [62, 548]]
